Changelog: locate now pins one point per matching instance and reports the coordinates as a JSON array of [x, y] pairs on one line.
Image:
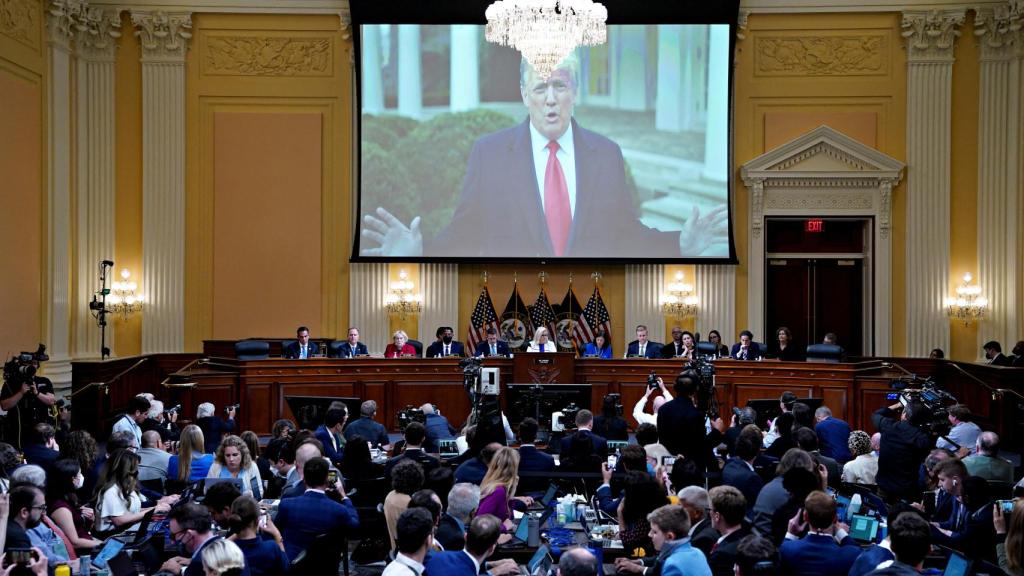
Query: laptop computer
[[120, 564], [958, 565], [545, 501], [448, 449], [863, 528], [208, 482], [539, 564], [616, 446]]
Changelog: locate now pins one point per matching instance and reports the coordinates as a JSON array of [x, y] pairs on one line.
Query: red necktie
[[556, 201]]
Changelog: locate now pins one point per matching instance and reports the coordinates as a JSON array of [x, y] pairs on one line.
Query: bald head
[[988, 443], [151, 439], [577, 562], [427, 408], [304, 454]]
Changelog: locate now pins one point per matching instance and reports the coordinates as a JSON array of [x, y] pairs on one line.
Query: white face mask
[[78, 481]]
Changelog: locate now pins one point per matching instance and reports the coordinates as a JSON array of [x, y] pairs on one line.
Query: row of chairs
[[260, 349]]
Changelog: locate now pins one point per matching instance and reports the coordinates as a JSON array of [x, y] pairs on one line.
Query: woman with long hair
[[252, 441], [64, 479], [641, 496], [601, 347], [120, 503], [223, 558], [784, 348], [81, 447], [264, 557], [721, 350], [1010, 537], [233, 461], [356, 462], [190, 463], [498, 488]]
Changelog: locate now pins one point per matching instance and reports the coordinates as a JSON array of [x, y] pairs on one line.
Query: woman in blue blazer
[[601, 347]]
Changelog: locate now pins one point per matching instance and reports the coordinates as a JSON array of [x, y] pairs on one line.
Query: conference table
[[853, 389]]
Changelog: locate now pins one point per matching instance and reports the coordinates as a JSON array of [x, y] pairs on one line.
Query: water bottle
[[85, 565], [533, 531]]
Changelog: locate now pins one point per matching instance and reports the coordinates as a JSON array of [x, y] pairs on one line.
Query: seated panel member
[[682, 345], [302, 348], [601, 347], [642, 347], [541, 342], [746, 348], [492, 346], [400, 347], [352, 347], [785, 349], [445, 345]]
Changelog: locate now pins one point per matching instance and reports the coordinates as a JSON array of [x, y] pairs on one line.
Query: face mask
[[78, 481], [447, 339]]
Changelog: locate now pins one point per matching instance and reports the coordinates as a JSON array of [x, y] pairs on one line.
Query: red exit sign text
[[816, 225]]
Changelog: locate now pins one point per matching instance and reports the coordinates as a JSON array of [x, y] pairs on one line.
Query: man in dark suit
[[27, 506], [305, 517], [437, 427], [695, 500], [481, 540], [728, 506], [463, 500], [818, 553], [1018, 354], [415, 434], [545, 187], [41, 451], [445, 345], [902, 449], [994, 354], [329, 434], [352, 347], [301, 348], [739, 470], [367, 427], [191, 526], [492, 346], [746, 348], [833, 435], [643, 347], [681, 426], [531, 459], [584, 427], [807, 441]]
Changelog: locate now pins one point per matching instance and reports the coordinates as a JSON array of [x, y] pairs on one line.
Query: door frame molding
[[825, 173]]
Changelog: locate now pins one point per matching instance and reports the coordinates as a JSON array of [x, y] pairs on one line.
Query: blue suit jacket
[[292, 351], [438, 428], [484, 349], [345, 350], [369, 429], [652, 350], [753, 353], [303, 518], [533, 460], [437, 348], [600, 444], [818, 555], [736, 473], [833, 439], [450, 563], [500, 195], [324, 436]]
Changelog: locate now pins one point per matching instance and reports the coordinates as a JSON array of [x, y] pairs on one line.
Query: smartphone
[[332, 477], [613, 461], [19, 556], [668, 461], [263, 518], [892, 396], [1006, 506]]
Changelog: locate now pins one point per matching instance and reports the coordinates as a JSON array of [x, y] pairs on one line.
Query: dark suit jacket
[[40, 456], [292, 351], [723, 558], [16, 536], [438, 428], [450, 563], [1001, 360], [652, 349], [213, 430], [305, 517], [833, 439], [450, 533], [817, 554], [369, 429], [500, 195], [600, 444], [324, 436], [975, 539], [484, 349], [704, 536], [668, 350], [1018, 361], [902, 449], [533, 460], [736, 473], [752, 354], [345, 350], [437, 348], [427, 461], [681, 431]]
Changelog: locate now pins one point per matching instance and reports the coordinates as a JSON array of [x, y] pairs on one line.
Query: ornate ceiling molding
[[267, 56], [164, 36], [931, 35]]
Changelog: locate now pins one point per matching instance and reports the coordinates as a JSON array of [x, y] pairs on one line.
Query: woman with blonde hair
[[190, 463], [234, 461], [498, 488], [223, 558], [400, 347], [541, 342]]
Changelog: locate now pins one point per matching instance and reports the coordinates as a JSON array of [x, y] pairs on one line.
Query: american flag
[[484, 317], [541, 313], [594, 318]]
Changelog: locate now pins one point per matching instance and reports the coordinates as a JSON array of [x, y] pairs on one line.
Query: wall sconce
[[401, 301], [968, 305], [679, 300], [123, 300]]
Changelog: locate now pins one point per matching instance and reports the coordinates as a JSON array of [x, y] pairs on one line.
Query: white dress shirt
[[402, 565], [566, 157], [642, 417]]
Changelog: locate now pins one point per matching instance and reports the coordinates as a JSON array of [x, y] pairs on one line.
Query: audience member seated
[[646, 435], [911, 542], [223, 558], [1009, 529], [1018, 354], [746, 348], [463, 501], [414, 539], [784, 440], [963, 434], [987, 463], [798, 482], [45, 536], [601, 347], [192, 528], [641, 496], [481, 540], [994, 354], [81, 447], [358, 467], [281, 456], [415, 434], [756, 556], [120, 504], [651, 418], [944, 501], [437, 428], [329, 434], [367, 427], [774, 495], [303, 518], [498, 487], [26, 505], [212, 426], [445, 344], [833, 435], [786, 401], [739, 470], [632, 458], [728, 507], [972, 531], [190, 463], [784, 348], [531, 459], [42, 450], [610, 425], [584, 429], [234, 461], [428, 500], [826, 550], [400, 347], [153, 459], [880, 555], [473, 470], [133, 417], [406, 479], [745, 417], [305, 452], [694, 499], [807, 441], [936, 354], [259, 539], [864, 466], [218, 499], [64, 507], [803, 416], [670, 527], [577, 562]]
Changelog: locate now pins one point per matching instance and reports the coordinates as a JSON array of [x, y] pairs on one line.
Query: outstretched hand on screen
[[700, 233], [395, 238]]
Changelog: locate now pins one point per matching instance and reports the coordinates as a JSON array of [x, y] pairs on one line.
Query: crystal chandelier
[[123, 300], [968, 305], [401, 301], [679, 301], [546, 31]]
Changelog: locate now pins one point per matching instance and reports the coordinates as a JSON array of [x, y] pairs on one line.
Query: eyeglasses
[[175, 535], [40, 507]]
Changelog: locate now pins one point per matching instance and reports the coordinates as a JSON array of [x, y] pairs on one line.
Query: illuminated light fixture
[[401, 301], [969, 305], [123, 300], [679, 301], [546, 31]]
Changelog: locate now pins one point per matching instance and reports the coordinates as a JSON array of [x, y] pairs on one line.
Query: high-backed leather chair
[[824, 353], [252, 350], [418, 346]]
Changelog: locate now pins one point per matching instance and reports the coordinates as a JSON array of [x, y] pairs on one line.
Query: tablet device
[[448, 448], [110, 549], [863, 528], [958, 565]]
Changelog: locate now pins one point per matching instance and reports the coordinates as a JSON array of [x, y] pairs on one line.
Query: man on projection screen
[[545, 188]]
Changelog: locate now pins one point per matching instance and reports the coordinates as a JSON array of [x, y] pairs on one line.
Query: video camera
[[702, 371], [408, 415], [228, 408], [613, 399], [936, 402], [567, 418], [177, 409], [21, 369], [652, 381]]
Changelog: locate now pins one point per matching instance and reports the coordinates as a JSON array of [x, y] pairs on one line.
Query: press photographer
[[903, 447], [680, 422], [25, 397]]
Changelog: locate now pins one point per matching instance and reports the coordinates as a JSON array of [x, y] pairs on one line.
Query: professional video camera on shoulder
[[933, 404], [21, 368], [408, 415], [565, 419]]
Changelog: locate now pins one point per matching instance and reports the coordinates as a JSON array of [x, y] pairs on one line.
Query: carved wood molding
[[267, 56], [821, 55]]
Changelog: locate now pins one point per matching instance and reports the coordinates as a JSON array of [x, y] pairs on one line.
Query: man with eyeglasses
[[191, 526], [27, 506]]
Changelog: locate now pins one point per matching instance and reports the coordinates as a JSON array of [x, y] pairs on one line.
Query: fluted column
[[368, 285], [930, 38], [164, 39], [94, 110], [464, 81], [372, 81], [998, 161], [716, 289], [410, 84], [644, 284], [439, 285]]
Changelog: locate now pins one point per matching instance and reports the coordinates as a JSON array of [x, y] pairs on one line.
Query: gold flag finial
[[543, 277], [596, 276], [485, 277]]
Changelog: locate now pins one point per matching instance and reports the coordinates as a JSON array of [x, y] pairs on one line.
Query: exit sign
[[815, 225]]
